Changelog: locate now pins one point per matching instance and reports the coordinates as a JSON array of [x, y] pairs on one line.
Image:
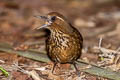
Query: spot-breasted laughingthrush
[[64, 44]]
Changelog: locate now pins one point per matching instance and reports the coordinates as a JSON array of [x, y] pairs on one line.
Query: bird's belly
[[63, 52]]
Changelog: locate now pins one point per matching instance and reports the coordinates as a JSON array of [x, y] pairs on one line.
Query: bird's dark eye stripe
[[53, 18]]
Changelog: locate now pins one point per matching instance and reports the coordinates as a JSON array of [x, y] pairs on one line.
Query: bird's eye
[[53, 18]]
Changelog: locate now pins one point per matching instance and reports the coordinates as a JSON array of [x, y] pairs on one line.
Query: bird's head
[[55, 20]]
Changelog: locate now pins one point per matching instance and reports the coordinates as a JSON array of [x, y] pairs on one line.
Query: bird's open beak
[[48, 22], [43, 26]]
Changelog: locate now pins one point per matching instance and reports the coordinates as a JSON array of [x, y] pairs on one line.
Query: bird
[[64, 43]]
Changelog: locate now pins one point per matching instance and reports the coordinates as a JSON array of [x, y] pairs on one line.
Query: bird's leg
[[77, 71], [54, 67]]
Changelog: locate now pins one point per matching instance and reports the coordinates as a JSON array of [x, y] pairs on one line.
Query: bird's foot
[[78, 73]]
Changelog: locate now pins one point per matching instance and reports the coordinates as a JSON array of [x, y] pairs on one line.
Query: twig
[[34, 75], [104, 50], [100, 42], [1, 61]]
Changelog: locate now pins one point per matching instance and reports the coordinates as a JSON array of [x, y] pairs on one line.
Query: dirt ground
[[95, 19]]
